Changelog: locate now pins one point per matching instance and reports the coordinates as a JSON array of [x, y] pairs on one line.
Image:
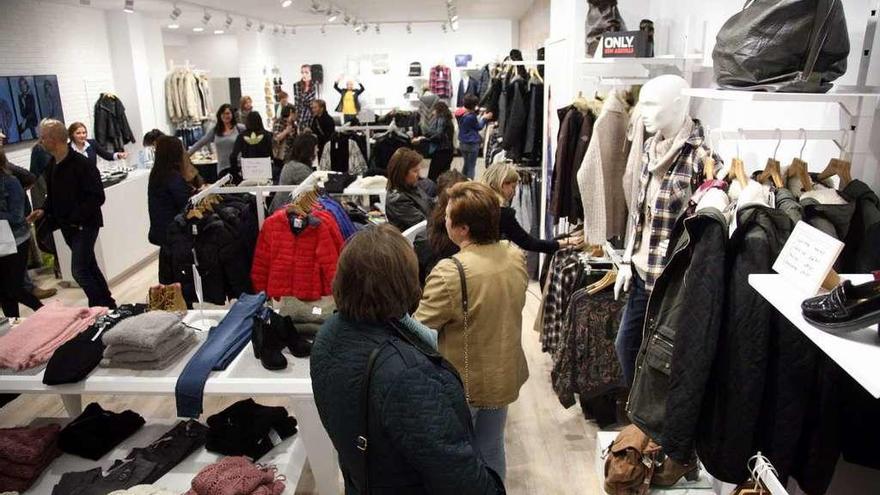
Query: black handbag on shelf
[[795, 46]]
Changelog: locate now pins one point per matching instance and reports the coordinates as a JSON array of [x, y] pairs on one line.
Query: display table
[[856, 352], [122, 244], [245, 376], [289, 457], [702, 486]]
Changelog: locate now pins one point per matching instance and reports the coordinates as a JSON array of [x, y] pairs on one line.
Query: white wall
[[534, 26], [217, 54], [76, 49]]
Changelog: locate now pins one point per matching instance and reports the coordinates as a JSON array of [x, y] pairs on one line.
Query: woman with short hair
[[413, 433], [483, 340], [406, 204], [503, 178]]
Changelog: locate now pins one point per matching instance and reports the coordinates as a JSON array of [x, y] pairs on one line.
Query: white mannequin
[[665, 110]]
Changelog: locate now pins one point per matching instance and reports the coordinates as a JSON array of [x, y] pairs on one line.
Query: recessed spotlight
[[173, 25], [198, 29], [129, 6], [286, 3], [219, 31]]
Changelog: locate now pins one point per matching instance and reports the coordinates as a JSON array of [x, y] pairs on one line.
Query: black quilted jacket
[[420, 435]]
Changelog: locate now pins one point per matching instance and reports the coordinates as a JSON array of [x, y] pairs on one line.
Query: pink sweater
[[33, 341], [236, 476]]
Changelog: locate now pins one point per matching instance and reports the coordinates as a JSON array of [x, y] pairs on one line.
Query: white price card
[[807, 257], [256, 168]]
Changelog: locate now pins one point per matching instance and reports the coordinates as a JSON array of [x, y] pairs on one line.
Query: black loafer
[[846, 308]]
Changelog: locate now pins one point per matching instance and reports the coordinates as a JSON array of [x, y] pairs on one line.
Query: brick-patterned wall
[[68, 41]]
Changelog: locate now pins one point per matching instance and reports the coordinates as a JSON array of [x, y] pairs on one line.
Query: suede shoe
[[44, 293]]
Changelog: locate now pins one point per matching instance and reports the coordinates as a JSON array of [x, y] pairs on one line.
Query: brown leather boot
[[44, 293], [671, 471]]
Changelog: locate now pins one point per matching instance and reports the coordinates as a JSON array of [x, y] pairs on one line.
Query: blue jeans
[[224, 342], [470, 152], [84, 265], [632, 323], [489, 433]]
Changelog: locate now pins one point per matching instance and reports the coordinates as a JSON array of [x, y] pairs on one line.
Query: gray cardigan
[[224, 145]]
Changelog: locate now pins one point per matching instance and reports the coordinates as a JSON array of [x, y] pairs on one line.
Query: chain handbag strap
[[465, 306]]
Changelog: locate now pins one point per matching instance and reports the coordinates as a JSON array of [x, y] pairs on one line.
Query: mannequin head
[[664, 108]]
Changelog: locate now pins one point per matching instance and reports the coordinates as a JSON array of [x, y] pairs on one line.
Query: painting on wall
[[8, 124], [27, 113], [49, 97]]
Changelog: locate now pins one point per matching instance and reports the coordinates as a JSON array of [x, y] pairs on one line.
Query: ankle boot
[[299, 345], [671, 471], [267, 342]]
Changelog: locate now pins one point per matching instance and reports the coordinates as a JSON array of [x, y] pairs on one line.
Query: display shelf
[[704, 485], [737, 95], [289, 457], [641, 61], [858, 352]]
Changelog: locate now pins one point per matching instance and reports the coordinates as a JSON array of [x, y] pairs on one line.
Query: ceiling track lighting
[[261, 28], [228, 21], [443, 27], [248, 24], [198, 29], [175, 13], [206, 18], [378, 29], [129, 7], [323, 29], [286, 3], [219, 31]]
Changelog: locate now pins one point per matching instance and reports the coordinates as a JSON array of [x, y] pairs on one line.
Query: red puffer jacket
[[301, 265]]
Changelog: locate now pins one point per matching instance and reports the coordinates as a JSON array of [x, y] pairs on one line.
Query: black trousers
[[84, 265], [440, 162], [12, 269]]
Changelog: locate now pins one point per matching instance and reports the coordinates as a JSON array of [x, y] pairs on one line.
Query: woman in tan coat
[[480, 332]]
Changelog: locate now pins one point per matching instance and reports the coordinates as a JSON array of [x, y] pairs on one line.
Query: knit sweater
[[236, 476], [33, 341], [144, 331]]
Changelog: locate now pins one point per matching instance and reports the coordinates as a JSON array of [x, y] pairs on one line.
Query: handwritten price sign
[[807, 257]]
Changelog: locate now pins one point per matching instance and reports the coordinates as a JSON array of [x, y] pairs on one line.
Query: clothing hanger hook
[[804, 145], [778, 141]]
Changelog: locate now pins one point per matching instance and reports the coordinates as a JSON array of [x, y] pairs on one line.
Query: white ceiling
[[271, 12]]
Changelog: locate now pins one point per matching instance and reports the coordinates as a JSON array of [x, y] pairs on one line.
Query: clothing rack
[[212, 189], [840, 138], [766, 474], [366, 129]]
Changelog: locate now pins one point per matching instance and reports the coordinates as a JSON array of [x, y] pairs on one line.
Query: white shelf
[[704, 485], [662, 60], [856, 352], [289, 457], [736, 95]]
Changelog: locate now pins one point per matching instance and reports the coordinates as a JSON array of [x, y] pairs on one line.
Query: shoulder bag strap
[[465, 309], [364, 404]]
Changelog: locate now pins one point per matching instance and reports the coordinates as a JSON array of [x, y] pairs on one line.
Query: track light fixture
[[323, 29], [286, 3], [206, 18], [443, 28], [408, 28], [378, 29], [332, 15], [248, 24], [261, 28], [129, 7], [175, 13], [228, 21], [219, 31], [198, 29]]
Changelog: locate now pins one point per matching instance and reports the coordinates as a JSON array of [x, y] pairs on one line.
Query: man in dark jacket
[[73, 204], [393, 407]]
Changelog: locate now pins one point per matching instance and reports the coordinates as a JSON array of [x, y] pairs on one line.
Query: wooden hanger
[[537, 75], [840, 168], [709, 168], [737, 172], [606, 282], [799, 169], [772, 170]]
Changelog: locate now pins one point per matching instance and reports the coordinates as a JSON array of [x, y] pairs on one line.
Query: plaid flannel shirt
[[680, 181], [441, 82]]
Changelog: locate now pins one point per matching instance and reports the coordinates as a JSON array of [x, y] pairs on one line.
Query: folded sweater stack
[[24, 454], [151, 341], [32, 342], [308, 316], [236, 476]]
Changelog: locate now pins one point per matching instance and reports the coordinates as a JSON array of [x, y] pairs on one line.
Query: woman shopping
[[89, 148], [297, 169], [503, 178], [349, 102], [224, 134], [469, 139], [172, 181], [475, 301], [254, 142], [406, 204], [380, 384], [13, 265], [439, 138]]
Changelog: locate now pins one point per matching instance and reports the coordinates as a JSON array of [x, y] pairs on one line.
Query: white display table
[[856, 352], [245, 376], [289, 457], [122, 243]]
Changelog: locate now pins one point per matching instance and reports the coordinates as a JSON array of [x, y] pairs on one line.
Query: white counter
[[122, 242]]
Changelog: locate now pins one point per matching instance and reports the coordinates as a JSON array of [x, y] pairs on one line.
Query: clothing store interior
[[439, 247]]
